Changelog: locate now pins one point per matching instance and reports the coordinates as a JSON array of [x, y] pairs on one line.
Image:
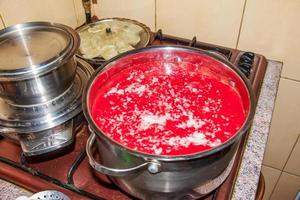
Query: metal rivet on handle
[[154, 167]]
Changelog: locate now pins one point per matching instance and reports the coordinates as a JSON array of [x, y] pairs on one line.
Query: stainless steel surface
[[297, 196], [37, 61], [46, 195], [46, 141], [177, 179], [145, 36], [114, 171], [169, 183], [23, 47], [217, 54], [40, 117], [180, 176]]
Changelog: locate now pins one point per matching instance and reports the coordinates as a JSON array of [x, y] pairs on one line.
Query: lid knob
[[108, 30]]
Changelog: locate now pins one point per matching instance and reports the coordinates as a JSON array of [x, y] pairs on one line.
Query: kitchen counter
[[249, 171], [9, 191]]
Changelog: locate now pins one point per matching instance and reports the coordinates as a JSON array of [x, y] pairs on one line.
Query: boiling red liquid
[[172, 106]]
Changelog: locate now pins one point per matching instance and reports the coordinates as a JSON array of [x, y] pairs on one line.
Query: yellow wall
[[267, 27], [18, 11], [1, 23], [141, 10], [202, 18], [272, 28]]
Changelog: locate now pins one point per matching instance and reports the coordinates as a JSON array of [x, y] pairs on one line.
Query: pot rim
[[39, 69], [201, 154]]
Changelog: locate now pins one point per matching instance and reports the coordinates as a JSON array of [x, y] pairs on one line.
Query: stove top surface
[[68, 170]]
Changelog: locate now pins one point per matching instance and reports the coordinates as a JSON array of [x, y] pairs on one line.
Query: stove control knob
[[245, 65], [245, 62], [248, 54], [245, 71], [245, 68], [245, 59]]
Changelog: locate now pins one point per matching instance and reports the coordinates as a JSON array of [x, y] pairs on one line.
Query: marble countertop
[[9, 191], [249, 171], [248, 176]]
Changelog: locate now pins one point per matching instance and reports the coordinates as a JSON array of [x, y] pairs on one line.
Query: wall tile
[[143, 11], [293, 164], [271, 176], [285, 125], [287, 187], [17, 11], [214, 21], [79, 11], [272, 28], [1, 24]]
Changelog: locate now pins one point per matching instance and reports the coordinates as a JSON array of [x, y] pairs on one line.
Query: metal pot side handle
[[153, 167]]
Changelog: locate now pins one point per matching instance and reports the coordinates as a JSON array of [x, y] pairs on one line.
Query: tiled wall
[[204, 19], [272, 28], [143, 11], [1, 23], [264, 26], [18, 11]]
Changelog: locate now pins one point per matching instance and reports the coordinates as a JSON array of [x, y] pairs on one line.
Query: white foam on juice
[[161, 106]]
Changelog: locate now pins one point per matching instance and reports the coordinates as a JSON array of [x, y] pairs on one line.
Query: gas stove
[[68, 170]]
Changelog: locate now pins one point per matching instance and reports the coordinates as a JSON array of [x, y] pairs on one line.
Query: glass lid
[[107, 38]]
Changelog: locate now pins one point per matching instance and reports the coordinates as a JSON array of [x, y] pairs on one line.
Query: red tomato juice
[[171, 106]]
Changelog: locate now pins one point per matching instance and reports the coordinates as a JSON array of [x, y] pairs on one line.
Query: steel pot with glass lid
[[37, 61], [167, 120], [109, 37]]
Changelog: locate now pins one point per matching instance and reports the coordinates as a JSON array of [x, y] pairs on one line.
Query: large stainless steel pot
[[37, 61], [161, 177]]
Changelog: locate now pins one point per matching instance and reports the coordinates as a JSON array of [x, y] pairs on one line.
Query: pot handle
[[153, 166]]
